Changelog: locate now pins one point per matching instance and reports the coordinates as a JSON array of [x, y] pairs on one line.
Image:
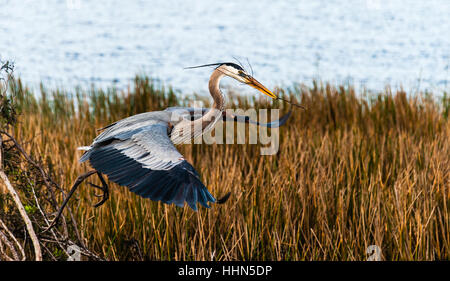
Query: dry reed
[[353, 170]]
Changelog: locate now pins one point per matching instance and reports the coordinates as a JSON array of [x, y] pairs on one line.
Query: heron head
[[237, 72]]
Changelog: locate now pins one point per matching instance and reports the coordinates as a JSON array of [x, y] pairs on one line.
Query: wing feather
[[145, 160]]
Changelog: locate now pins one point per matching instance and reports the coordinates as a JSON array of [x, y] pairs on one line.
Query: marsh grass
[[353, 170]]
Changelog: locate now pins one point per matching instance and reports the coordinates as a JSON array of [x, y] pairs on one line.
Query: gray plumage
[[136, 152], [139, 152]]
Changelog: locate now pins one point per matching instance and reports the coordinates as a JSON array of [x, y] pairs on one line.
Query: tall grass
[[353, 170]]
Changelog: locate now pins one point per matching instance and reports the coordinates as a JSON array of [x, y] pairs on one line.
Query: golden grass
[[353, 170]]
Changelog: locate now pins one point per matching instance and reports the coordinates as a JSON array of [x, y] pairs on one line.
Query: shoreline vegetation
[[352, 171]]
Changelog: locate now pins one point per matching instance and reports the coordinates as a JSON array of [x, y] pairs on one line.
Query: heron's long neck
[[204, 124], [214, 90], [211, 117]]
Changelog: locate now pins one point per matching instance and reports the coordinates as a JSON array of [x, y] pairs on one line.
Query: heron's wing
[[188, 113], [146, 161]]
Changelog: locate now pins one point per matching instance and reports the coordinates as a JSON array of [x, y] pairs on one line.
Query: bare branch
[[22, 252], [23, 213]]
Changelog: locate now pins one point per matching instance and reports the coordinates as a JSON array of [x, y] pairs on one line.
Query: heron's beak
[[255, 84]]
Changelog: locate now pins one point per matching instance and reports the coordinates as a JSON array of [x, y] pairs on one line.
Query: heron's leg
[[77, 182], [104, 188], [227, 117]]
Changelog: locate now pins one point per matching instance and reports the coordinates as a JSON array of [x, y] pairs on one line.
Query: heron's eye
[[242, 74]]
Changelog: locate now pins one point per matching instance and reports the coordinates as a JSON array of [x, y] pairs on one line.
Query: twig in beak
[[297, 105]]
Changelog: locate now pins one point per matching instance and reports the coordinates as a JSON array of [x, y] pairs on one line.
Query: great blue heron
[[139, 152]]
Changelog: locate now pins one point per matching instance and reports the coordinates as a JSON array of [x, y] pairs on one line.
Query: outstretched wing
[[145, 160]]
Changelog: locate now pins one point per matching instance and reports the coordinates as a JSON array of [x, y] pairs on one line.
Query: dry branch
[[12, 248], [23, 213]]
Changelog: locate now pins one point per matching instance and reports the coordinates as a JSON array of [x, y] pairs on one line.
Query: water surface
[[368, 42]]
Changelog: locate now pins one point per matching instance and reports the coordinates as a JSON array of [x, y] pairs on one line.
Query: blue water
[[367, 42]]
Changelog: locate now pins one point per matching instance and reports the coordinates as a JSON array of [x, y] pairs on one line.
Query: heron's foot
[[99, 187], [104, 199], [104, 196]]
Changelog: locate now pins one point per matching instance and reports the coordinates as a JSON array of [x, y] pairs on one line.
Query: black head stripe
[[205, 65], [218, 65], [238, 67]]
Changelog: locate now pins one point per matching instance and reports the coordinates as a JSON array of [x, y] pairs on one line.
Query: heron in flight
[[139, 152]]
